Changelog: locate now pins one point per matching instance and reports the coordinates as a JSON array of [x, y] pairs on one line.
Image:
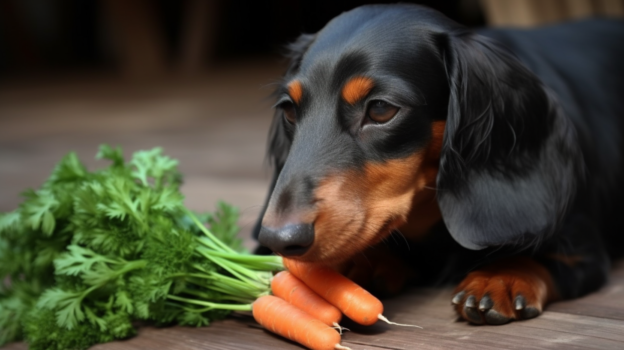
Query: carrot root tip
[[340, 347], [339, 328], [383, 318]]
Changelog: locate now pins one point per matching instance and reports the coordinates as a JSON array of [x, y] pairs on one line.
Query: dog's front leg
[[570, 265], [511, 289]]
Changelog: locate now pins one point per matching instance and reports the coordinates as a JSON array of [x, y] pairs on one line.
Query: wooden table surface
[[216, 125]]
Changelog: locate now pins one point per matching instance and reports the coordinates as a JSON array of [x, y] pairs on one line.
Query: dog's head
[[387, 104]]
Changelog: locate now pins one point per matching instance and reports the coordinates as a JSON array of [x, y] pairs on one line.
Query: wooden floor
[[216, 126]]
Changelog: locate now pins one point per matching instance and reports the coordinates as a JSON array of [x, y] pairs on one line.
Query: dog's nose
[[290, 240]]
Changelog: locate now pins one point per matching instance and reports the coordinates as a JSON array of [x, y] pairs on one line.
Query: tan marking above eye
[[356, 89], [295, 89]]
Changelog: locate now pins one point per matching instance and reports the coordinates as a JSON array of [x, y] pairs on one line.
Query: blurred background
[[192, 76]]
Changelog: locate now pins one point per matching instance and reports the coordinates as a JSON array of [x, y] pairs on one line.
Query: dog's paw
[[515, 289]]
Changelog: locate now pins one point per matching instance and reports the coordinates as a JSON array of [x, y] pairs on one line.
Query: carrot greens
[[89, 253]]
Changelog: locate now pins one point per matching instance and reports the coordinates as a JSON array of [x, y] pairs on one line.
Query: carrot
[[288, 287], [290, 322], [354, 301]]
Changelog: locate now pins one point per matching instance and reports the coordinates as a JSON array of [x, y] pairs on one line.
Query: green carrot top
[[90, 252]]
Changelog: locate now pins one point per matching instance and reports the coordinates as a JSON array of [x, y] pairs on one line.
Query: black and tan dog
[[409, 148]]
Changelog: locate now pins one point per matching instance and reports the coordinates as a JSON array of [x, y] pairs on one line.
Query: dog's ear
[[279, 141], [510, 161]]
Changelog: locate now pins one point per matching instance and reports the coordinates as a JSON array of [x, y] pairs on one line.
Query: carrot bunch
[[308, 302]]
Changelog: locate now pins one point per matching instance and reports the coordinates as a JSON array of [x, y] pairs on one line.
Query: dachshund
[[410, 149]]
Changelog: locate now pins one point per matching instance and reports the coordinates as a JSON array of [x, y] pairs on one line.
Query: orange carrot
[[354, 301], [288, 287], [290, 322]]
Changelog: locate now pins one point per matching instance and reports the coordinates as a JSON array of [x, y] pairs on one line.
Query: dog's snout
[[289, 240]]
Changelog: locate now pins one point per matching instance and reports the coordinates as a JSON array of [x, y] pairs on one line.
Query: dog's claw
[[524, 311], [458, 298], [493, 317], [471, 302], [484, 310], [530, 312], [520, 302], [486, 303], [473, 315], [470, 310]]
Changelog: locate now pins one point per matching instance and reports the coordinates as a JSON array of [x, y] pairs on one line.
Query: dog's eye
[[289, 112], [381, 111]]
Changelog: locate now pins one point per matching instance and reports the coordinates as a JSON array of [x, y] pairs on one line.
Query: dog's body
[[396, 119]]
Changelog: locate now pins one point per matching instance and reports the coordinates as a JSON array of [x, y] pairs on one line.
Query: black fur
[[505, 138], [533, 152]]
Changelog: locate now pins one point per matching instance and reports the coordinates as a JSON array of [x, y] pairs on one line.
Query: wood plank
[[607, 303], [427, 307], [431, 309], [220, 143]]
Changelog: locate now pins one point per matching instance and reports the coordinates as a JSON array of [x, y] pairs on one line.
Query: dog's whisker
[[404, 238]]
